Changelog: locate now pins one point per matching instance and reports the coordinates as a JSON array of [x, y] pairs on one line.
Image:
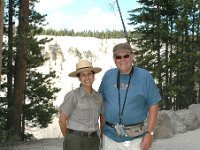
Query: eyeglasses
[[122, 56]]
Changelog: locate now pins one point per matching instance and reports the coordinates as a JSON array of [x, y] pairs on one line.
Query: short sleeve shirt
[[142, 94], [83, 110]]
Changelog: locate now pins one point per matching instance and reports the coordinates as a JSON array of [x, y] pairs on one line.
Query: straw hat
[[84, 65]]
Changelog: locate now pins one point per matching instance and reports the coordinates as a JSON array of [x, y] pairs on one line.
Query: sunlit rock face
[[62, 54], [172, 122]]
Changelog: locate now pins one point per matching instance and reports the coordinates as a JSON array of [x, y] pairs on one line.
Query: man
[[130, 103]]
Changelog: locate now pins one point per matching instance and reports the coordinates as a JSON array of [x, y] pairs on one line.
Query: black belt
[[113, 125], [82, 133]]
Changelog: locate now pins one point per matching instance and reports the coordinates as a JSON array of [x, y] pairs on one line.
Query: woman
[[80, 111]]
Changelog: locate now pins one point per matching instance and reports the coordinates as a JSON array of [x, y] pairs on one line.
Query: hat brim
[[75, 73], [121, 51]]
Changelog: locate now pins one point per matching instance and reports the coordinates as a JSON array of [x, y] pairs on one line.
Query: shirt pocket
[[83, 110], [98, 105]]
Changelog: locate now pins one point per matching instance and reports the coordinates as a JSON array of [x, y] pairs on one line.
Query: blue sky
[[85, 14]]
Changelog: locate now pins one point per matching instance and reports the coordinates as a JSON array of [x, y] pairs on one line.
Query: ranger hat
[[84, 65]]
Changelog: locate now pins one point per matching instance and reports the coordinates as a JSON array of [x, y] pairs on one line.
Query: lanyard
[[119, 97]]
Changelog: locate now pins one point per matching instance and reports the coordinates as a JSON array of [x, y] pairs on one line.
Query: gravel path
[[185, 141], [43, 144]]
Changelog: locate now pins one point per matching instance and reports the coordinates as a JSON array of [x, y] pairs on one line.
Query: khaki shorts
[[109, 144]]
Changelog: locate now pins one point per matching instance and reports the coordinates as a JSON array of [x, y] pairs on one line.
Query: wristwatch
[[151, 133]]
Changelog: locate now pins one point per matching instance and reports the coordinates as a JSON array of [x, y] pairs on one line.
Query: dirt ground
[[182, 141], [43, 144]]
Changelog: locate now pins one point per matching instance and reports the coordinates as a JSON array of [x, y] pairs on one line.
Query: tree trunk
[[124, 27], [20, 65], [10, 65], [1, 35]]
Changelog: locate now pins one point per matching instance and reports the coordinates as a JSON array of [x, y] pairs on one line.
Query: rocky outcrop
[[172, 122], [164, 127]]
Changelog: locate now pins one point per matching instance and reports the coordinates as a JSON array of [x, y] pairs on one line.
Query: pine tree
[[166, 35], [34, 106]]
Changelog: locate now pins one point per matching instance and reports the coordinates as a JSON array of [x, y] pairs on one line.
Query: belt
[[82, 133], [113, 125]]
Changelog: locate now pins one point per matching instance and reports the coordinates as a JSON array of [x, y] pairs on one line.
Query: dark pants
[[78, 142]]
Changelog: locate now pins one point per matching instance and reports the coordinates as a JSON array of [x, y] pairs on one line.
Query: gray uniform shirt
[[82, 110]]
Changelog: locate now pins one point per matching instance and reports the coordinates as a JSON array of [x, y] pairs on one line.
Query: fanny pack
[[134, 130]]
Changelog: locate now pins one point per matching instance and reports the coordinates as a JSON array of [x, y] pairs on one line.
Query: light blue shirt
[[142, 94]]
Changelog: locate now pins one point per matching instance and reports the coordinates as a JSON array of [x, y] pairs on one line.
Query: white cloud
[[95, 19], [92, 19], [51, 5], [57, 20]]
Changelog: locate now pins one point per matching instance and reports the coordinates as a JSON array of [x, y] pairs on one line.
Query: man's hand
[[147, 141]]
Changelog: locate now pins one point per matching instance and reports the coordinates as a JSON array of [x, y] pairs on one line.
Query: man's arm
[[152, 117], [151, 122], [62, 123]]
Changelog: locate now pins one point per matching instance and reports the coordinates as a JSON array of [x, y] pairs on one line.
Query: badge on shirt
[[99, 102]]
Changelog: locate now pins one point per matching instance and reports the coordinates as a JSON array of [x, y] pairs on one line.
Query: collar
[[82, 92]]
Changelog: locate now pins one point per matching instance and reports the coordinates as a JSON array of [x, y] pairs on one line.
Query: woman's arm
[[101, 125], [62, 123]]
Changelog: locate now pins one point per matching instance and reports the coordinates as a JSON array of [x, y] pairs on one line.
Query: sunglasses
[[122, 56]]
